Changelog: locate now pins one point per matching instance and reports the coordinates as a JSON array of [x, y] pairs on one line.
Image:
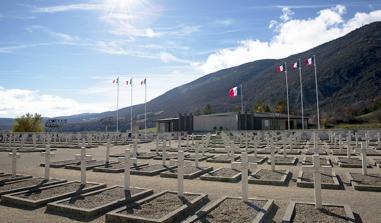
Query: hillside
[[349, 76]]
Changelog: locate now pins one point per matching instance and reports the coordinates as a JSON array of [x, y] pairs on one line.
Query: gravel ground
[[40, 182], [308, 177], [269, 174], [221, 158], [224, 172], [51, 192], [370, 179], [5, 177], [89, 163], [189, 170], [233, 211], [63, 162], [346, 160], [160, 206], [101, 198], [308, 213], [150, 167], [308, 161]]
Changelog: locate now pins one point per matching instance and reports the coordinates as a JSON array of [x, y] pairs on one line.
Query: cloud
[[58, 35], [70, 7], [167, 58], [286, 14], [16, 102], [291, 36]]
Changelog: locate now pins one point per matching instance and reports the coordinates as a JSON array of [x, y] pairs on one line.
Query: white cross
[[34, 139], [349, 146], [164, 152], [317, 170], [135, 146], [255, 145], [196, 154], [157, 144], [108, 152], [245, 166], [272, 150], [47, 154], [364, 160], [14, 155], [378, 140], [284, 148], [83, 158], [180, 171], [356, 138], [128, 162], [179, 141]]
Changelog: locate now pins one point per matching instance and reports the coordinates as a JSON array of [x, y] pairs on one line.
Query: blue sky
[[60, 57]]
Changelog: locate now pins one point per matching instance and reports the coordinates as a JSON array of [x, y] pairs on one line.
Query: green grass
[[371, 116], [149, 130]]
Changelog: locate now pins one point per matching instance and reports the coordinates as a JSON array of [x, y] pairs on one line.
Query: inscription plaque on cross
[[244, 166]]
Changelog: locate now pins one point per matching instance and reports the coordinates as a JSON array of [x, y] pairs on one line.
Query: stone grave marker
[[47, 155], [83, 158], [364, 160], [14, 155], [180, 171], [244, 166]]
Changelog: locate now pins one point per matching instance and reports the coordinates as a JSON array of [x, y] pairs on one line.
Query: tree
[[280, 107], [208, 109], [261, 107], [28, 123]]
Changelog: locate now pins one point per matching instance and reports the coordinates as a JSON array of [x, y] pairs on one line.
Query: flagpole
[[288, 105], [117, 105], [317, 94], [131, 106], [301, 91], [241, 100], [145, 108]]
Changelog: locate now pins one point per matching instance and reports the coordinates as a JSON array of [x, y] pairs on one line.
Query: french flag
[[280, 68], [233, 92], [295, 65], [309, 61]]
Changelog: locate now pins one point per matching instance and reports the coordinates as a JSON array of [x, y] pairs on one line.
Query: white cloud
[[168, 57], [292, 36], [286, 14], [58, 35], [70, 7], [16, 102]]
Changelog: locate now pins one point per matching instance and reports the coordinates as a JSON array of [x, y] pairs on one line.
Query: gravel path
[[160, 206], [233, 211]]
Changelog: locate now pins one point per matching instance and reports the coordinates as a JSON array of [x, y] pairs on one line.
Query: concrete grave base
[[280, 160], [221, 159], [61, 163], [130, 213], [116, 167], [27, 184], [281, 177], [89, 165], [17, 199], [324, 161], [261, 212], [370, 182], [290, 214], [68, 208], [214, 175], [7, 177], [349, 162], [151, 170], [198, 171], [302, 181]]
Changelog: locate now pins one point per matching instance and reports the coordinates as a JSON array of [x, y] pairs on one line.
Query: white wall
[[206, 123]]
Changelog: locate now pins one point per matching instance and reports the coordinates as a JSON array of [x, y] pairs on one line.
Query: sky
[[60, 57]]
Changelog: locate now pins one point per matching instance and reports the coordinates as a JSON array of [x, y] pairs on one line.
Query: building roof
[[166, 119], [257, 114]]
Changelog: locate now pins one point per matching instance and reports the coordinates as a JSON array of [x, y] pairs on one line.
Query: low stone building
[[229, 121]]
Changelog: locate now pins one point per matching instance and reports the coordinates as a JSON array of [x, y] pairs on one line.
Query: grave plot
[[116, 167], [190, 172], [144, 155], [24, 150], [255, 159], [89, 164], [291, 152], [4, 178], [61, 163], [223, 175], [300, 212], [373, 152], [151, 170], [233, 209], [41, 196], [166, 206], [324, 161], [367, 182], [311, 151], [224, 158], [27, 184], [342, 152], [94, 204], [329, 180], [192, 157], [281, 160], [264, 151], [270, 177], [168, 156], [377, 162], [349, 162]]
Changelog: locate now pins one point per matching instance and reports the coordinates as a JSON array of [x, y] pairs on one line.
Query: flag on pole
[[126, 82], [131, 81], [233, 92], [295, 65], [281, 68], [143, 82], [115, 81], [309, 61]]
